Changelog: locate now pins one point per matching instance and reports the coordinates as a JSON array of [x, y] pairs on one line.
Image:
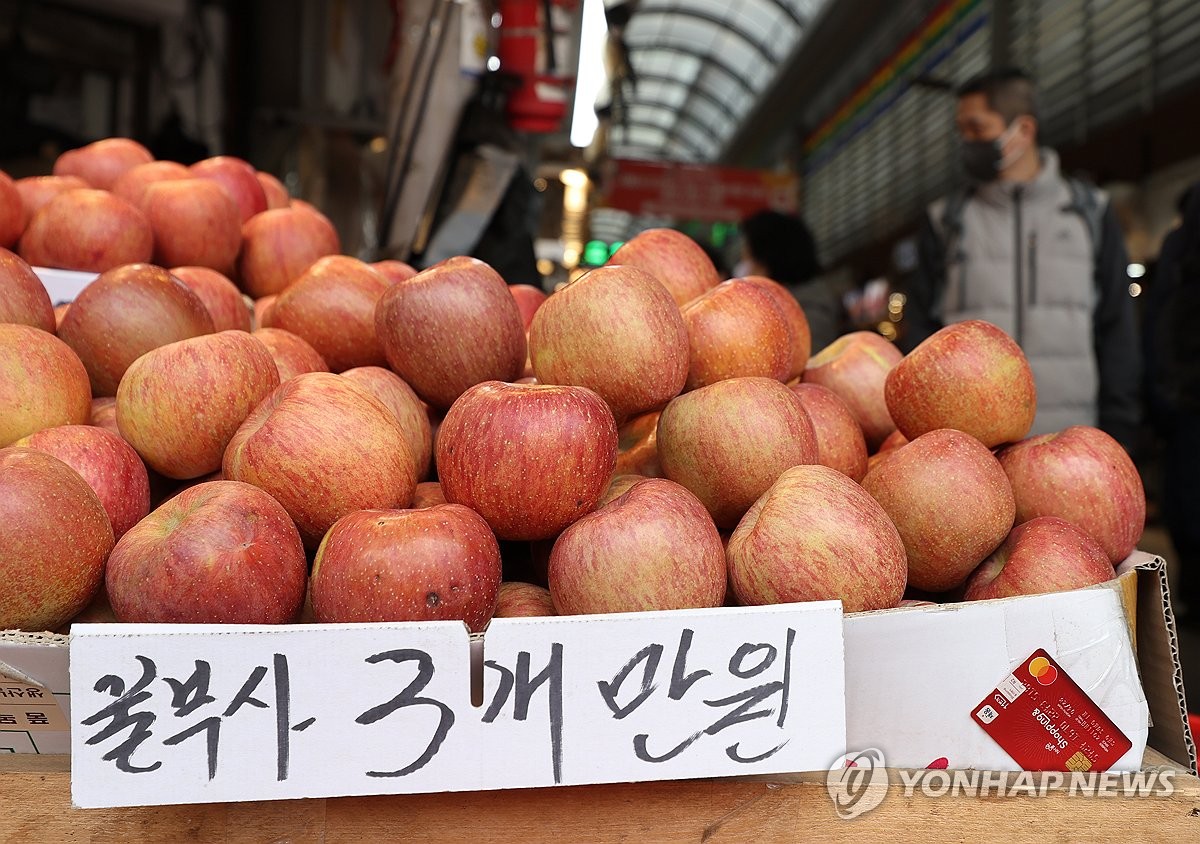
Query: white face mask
[[741, 269]]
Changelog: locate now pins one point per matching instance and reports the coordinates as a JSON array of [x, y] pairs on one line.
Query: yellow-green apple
[[437, 564], [42, 383], [132, 185], [331, 306], [394, 271], [109, 465], [279, 245], [729, 441], [239, 181], [673, 258], [409, 410], [23, 299], [291, 354], [969, 376], [801, 334], [12, 211], [104, 414], [36, 191], [220, 296], [180, 404], [855, 366], [194, 222], [221, 552], [55, 541], [88, 230], [616, 331], [449, 328], [261, 307], [736, 330], [276, 194], [101, 163], [637, 447], [323, 446], [529, 299], [1084, 476], [1045, 554], [428, 494], [653, 548], [125, 313], [523, 600], [530, 458], [816, 535], [950, 500], [840, 443]]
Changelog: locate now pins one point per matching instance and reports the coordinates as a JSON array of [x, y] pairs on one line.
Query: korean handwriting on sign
[[128, 717], [750, 662]]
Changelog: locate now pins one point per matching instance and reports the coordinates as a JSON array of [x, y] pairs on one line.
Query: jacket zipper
[[1033, 268], [1020, 260]]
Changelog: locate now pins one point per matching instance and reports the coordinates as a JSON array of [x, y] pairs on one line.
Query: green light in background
[[613, 249], [595, 253]]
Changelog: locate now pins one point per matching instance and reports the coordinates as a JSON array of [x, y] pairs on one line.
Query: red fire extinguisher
[[531, 35]]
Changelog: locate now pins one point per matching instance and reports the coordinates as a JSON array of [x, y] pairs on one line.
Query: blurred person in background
[[1173, 389], [781, 247], [1037, 253]]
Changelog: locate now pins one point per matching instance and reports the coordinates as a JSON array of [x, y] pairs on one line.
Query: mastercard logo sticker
[[1042, 671]]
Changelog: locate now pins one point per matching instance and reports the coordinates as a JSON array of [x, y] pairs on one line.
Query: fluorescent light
[[590, 75], [1135, 270], [574, 178]]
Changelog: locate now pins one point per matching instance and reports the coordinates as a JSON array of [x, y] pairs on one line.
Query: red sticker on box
[[1045, 722]]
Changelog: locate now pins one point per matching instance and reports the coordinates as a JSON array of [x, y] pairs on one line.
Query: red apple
[[55, 541], [618, 486], [893, 440], [238, 179], [969, 376], [104, 414], [673, 258], [36, 191], [528, 299], [1045, 554], [323, 447], [132, 185], [530, 459], [523, 600], [439, 564], [180, 404], [409, 410], [637, 447], [279, 245], [736, 330], [653, 548], [261, 307], [12, 212], [88, 230], [794, 314], [951, 502], [840, 443], [100, 164], [449, 328], [194, 222], [109, 465], [220, 296], [730, 441], [394, 271], [815, 535], [616, 331], [855, 366], [217, 553], [1081, 475], [23, 299], [428, 494], [276, 194], [292, 355], [332, 308], [42, 383], [60, 313], [125, 313]]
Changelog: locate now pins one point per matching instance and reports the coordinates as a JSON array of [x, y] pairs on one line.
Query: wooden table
[[35, 806]]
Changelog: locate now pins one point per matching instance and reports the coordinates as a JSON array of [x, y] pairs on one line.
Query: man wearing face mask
[[1038, 254]]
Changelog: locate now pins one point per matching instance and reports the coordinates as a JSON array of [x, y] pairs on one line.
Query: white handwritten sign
[[196, 713]]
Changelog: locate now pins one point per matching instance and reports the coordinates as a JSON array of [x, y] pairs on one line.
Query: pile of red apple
[[646, 438]]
